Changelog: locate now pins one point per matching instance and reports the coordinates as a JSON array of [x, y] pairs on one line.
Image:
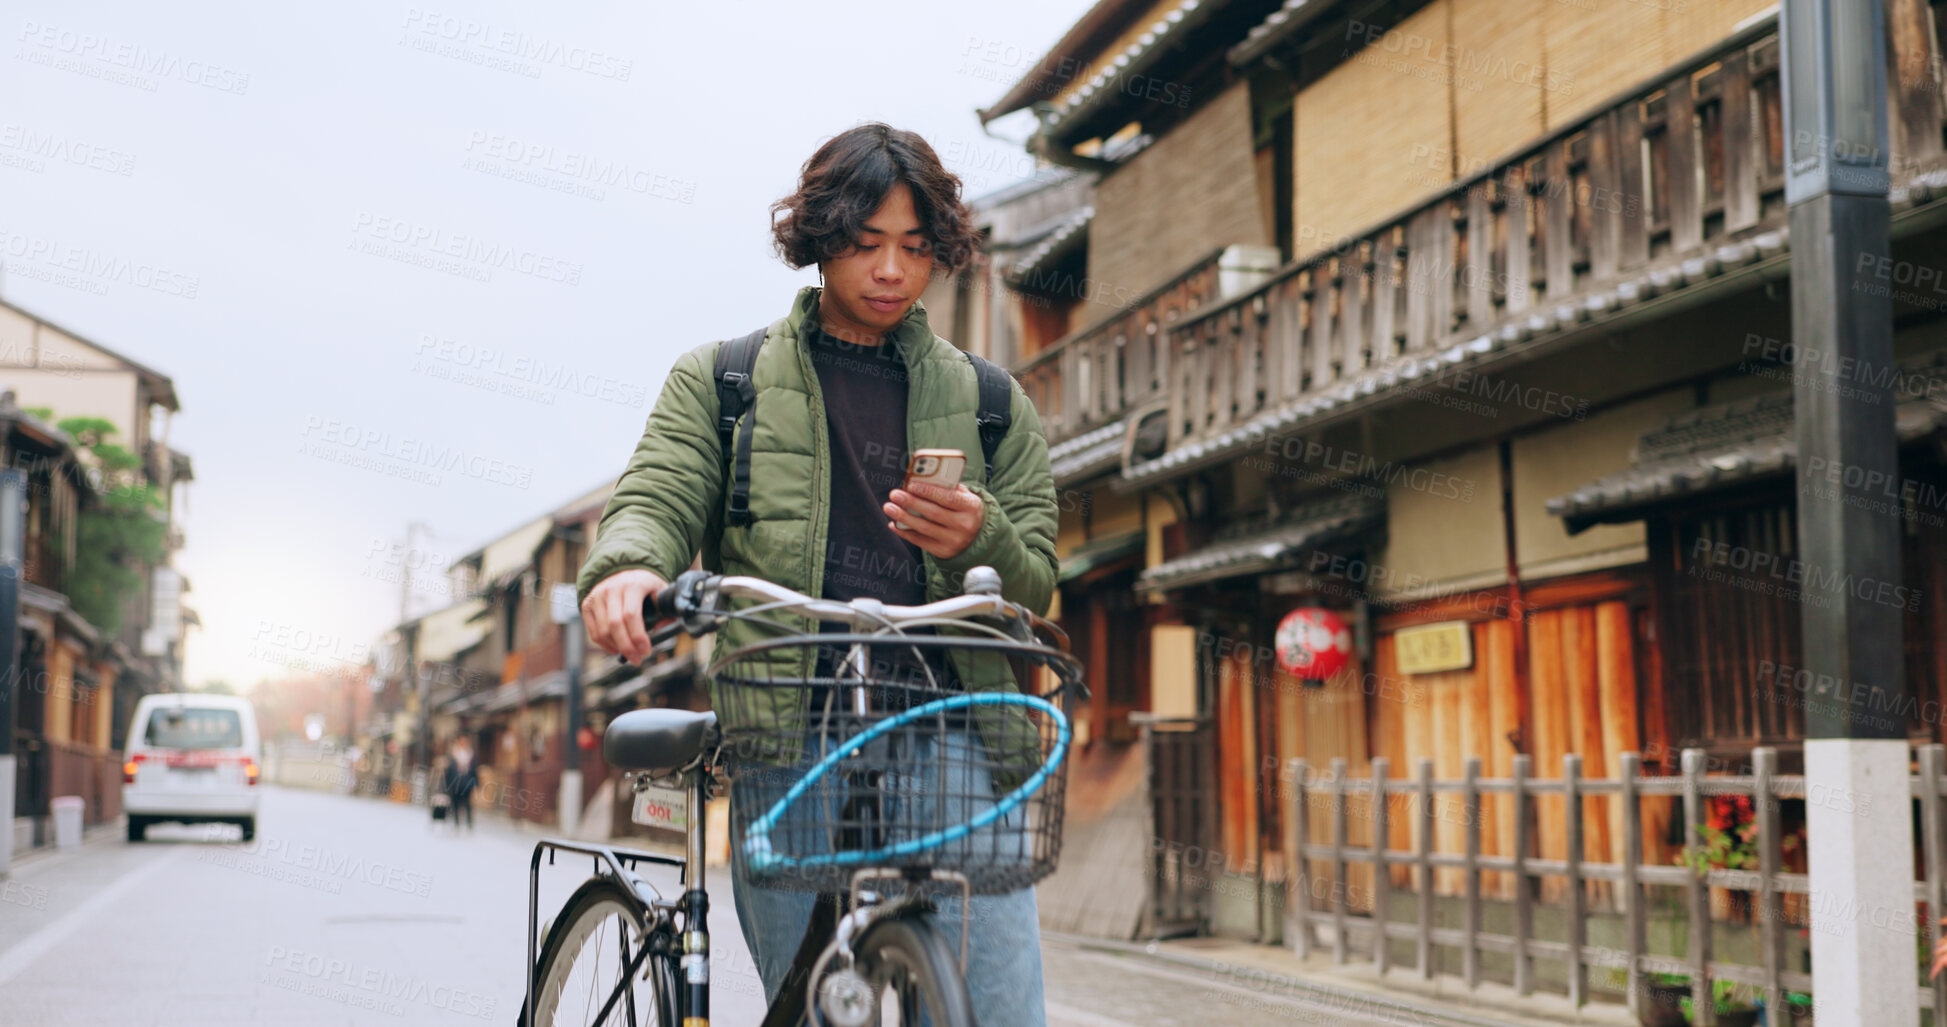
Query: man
[[848, 383], [459, 781]]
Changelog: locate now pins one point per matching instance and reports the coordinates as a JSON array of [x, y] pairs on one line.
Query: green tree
[[120, 536]]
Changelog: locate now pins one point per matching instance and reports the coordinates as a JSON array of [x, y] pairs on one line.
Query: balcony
[[1084, 384], [1671, 194]]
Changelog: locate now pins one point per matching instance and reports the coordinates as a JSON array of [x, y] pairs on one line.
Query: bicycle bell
[[983, 581]]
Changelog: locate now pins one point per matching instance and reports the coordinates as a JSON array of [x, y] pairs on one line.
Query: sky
[[431, 263]]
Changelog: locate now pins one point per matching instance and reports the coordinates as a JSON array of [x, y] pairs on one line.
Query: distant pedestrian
[[459, 781]]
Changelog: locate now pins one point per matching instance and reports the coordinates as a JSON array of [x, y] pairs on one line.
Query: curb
[[91, 834], [1380, 1002]]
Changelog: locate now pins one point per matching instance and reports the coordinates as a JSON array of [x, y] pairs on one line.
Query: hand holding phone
[[943, 526], [938, 467]]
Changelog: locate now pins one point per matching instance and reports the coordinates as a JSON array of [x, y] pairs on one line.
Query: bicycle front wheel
[[595, 967], [914, 972]]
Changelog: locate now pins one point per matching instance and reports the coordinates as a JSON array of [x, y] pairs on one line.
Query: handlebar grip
[[664, 604], [677, 600]]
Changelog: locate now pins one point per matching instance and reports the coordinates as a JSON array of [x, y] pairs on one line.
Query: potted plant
[[1667, 994], [1730, 842], [1728, 1002]]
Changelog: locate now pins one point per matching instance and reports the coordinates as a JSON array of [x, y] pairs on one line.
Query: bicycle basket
[[885, 763]]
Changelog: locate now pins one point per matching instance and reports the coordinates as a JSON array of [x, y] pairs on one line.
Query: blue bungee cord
[[757, 846]]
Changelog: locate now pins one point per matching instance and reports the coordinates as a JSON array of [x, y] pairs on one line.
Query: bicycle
[[876, 803]]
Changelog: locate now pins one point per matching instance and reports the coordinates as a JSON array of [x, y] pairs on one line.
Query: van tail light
[[128, 772], [250, 770]]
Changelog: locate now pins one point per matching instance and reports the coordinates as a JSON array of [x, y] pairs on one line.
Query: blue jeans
[[1004, 948]]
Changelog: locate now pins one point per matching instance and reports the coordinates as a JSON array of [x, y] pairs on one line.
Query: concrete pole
[[13, 541], [1842, 334], [571, 730]]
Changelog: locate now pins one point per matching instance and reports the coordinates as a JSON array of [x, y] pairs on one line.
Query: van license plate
[[667, 808]]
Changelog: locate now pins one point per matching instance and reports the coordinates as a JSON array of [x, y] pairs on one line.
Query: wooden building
[[1506, 390], [492, 667], [80, 681]]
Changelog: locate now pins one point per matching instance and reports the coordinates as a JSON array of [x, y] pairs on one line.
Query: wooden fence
[[1768, 883]]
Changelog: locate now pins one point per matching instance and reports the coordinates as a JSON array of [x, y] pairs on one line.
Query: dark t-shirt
[[865, 413], [864, 389]]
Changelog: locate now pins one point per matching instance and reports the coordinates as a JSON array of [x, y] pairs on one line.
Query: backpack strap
[[735, 394], [996, 408]]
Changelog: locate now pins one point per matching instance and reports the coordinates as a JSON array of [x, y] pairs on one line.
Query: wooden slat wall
[[1236, 764], [1388, 734], [1190, 192], [1694, 24], [1548, 734], [1332, 723], [1621, 724], [1368, 134], [1336, 727], [1498, 96], [1582, 676], [1448, 717], [1291, 745], [1494, 662], [1592, 51]]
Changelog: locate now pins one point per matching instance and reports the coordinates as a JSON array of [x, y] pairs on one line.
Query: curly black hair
[[845, 182]]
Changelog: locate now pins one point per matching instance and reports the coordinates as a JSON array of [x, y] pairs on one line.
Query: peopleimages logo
[[1708, 557], [92, 267], [133, 60], [37, 148], [511, 154], [369, 986], [408, 454], [419, 242], [327, 865], [516, 44]]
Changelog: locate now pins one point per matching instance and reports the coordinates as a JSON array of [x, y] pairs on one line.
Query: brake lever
[[1037, 622]]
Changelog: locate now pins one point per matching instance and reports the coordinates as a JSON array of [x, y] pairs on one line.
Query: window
[[190, 727]]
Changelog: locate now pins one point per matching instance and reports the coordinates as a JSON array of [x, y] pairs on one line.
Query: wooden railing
[[1091, 377], [1666, 173], [1426, 801], [1648, 189]]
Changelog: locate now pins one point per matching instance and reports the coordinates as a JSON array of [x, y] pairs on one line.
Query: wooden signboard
[[1431, 648]]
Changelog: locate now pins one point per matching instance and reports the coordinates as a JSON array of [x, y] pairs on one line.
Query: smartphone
[[941, 467]]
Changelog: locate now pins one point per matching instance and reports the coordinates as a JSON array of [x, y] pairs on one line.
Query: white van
[[194, 759]]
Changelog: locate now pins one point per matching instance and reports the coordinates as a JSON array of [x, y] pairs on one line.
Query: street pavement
[[351, 910]]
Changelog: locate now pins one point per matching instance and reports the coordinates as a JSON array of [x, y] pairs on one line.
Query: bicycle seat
[[658, 739]]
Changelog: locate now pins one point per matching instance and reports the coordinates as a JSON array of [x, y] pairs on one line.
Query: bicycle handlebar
[[692, 603]]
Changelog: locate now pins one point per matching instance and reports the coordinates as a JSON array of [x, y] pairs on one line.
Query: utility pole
[[13, 542], [1842, 324], [405, 570], [421, 753], [564, 611]]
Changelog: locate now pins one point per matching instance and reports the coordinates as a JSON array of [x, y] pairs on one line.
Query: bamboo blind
[[1370, 133]]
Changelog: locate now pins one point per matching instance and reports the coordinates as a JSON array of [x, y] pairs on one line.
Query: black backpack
[[735, 394]]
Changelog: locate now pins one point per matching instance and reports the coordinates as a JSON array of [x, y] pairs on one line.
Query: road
[[354, 911]]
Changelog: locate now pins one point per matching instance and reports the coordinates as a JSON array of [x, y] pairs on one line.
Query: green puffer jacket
[[672, 503]]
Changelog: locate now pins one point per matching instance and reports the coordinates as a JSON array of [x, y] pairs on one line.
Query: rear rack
[[621, 866]]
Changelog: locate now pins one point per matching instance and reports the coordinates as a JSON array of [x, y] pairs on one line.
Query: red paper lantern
[[1313, 643], [585, 739]]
